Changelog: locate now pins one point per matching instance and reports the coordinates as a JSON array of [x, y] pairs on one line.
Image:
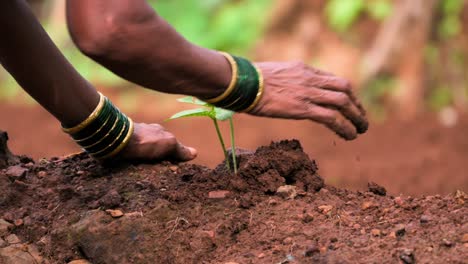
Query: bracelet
[[105, 132], [245, 89]]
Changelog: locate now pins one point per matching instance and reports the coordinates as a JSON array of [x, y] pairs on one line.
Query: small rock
[[407, 256], [41, 174], [376, 232], [447, 242], [112, 199], [287, 241], [325, 209], [424, 219], [4, 227], [376, 189], [272, 202], [2, 243], [307, 218], [367, 205], [79, 261], [464, 238], [16, 171], [16, 254], [399, 201], [287, 191], [400, 231], [261, 255], [356, 226], [173, 168], [18, 222], [115, 213], [220, 194], [392, 235], [333, 240], [311, 250], [12, 239]]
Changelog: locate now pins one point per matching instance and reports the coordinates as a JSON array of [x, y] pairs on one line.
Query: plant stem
[[233, 145], [220, 136]]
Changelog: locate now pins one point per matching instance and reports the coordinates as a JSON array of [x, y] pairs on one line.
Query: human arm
[[30, 56], [132, 40]]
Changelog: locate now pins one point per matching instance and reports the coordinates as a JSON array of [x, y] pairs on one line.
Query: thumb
[[184, 153]]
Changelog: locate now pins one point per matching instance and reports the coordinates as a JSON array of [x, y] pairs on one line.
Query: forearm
[[130, 39], [29, 55]]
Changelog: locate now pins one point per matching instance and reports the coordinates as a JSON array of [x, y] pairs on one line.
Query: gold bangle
[[261, 89], [124, 142], [112, 143], [88, 120], [99, 141], [97, 131], [232, 84]]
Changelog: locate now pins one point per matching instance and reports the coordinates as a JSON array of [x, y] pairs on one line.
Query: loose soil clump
[[275, 210]]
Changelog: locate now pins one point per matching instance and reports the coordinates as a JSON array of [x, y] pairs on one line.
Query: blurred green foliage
[[228, 25], [451, 22], [341, 15]]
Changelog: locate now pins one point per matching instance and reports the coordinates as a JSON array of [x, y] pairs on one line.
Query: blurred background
[[407, 60]]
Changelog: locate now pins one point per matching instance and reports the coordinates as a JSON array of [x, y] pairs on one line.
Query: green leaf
[[192, 113], [341, 14], [192, 100], [223, 114]]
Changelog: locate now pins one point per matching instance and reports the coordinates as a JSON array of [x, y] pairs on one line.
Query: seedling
[[216, 114]]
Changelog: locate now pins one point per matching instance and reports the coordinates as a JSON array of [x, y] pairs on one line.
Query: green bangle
[[245, 90]]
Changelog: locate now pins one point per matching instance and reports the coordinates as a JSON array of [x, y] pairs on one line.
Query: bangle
[[105, 132], [245, 89]]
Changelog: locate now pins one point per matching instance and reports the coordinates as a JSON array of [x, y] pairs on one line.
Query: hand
[[151, 142], [297, 91]]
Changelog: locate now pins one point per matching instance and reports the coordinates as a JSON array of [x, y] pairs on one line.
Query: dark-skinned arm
[[132, 40], [30, 56]]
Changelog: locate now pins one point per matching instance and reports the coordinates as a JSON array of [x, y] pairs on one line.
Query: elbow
[[99, 39]]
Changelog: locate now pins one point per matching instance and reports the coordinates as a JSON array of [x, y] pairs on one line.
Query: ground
[[277, 209]]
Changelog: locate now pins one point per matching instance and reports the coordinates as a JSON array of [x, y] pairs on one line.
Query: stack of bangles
[[104, 133], [246, 87]]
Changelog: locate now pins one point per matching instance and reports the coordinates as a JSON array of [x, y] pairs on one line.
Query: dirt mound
[[275, 210]]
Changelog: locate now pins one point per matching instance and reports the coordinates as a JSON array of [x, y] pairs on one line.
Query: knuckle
[[345, 84], [342, 100]]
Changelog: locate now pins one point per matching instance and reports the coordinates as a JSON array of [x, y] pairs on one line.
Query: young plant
[[216, 114]]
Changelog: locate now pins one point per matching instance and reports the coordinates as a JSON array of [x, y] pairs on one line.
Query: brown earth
[[413, 157], [275, 210]]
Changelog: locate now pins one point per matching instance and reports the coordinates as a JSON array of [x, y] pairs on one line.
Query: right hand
[[297, 91]]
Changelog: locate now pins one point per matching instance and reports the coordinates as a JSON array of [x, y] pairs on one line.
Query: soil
[[414, 157], [277, 209]]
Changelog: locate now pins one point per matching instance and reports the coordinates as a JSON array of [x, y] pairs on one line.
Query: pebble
[[4, 227], [356, 226], [115, 213], [220, 194], [173, 168], [19, 222], [464, 238], [376, 189], [261, 255], [424, 219], [16, 171], [400, 230], [287, 241], [367, 205], [325, 209], [447, 242], [2, 243], [311, 250], [287, 191], [79, 261], [399, 201], [376, 232], [12, 239], [307, 218], [41, 174], [407, 256]]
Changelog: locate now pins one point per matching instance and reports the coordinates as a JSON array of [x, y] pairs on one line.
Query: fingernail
[[193, 151]]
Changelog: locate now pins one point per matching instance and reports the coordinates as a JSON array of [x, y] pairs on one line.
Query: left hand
[[151, 142]]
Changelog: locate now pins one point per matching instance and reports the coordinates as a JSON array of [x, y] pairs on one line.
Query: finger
[[337, 84], [333, 120], [184, 153], [342, 102]]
